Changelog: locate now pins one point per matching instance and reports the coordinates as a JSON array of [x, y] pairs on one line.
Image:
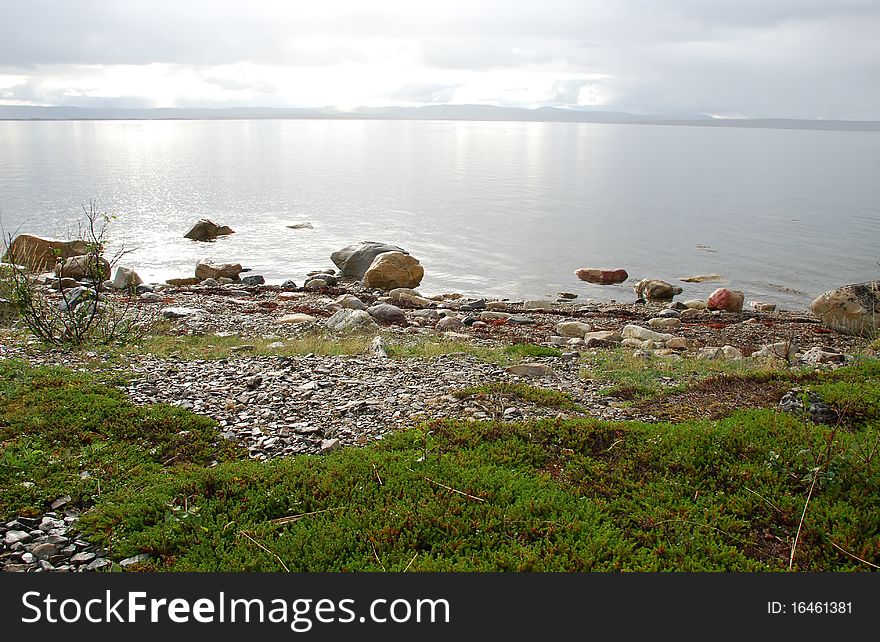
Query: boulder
[[390, 270], [643, 334], [449, 324], [40, 254], [254, 279], [346, 320], [126, 279], [206, 230], [656, 290], [207, 269], [851, 309], [726, 300], [85, 266], [350, 302], [386, 313], [354, 260], [601, 277], [573, 329]]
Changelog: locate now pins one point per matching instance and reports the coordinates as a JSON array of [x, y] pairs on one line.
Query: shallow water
[[495, 209]]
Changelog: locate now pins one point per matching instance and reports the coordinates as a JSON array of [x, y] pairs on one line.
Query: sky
[[727, 58]]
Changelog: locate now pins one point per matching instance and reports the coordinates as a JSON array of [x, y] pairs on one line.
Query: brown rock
[[601, 277], [179, 283], [206, 230], [209, 270], [390, 270], [656, 290], [83, 267], [39, 254]]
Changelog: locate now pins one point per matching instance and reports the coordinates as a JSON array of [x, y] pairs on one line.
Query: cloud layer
[[756, 58]]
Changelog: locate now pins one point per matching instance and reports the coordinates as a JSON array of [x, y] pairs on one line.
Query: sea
[[494, 209]]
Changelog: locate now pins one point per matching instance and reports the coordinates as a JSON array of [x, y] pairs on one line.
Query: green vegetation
[[634, 377], [500, 394], [723, 495]]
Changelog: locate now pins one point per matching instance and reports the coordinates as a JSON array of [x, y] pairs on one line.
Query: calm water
[[497, 209]]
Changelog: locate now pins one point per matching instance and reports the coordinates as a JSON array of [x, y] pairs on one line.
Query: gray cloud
[[762, 58]]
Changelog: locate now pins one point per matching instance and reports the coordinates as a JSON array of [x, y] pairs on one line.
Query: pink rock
[[602, 277], [726, 300]]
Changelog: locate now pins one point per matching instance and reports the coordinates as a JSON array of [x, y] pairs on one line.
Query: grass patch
[[639, 378], [530, 351], [502, 393], [572, 495]]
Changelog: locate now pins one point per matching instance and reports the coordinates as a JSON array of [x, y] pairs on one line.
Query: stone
[[387, 313], [601, 277], [295, 319], [410, 297], [543, 306], [179, 312], [13, 537], [726, 300], [44, 551], [604, 336], [566, 296], [288, 285], [354, 260], [97, 564], [301, 226], [664, 322], [135, 559], [497, 306], [390, 270], [210, 283], [779, 350], [656, 290], [701, 278], [39, 254], [852, 309], [350, 320], [488, 315], [74, 297], [801, 402], [731, 352], [126, 279], [573, 328], [315, 284], [529, 369], [329, 445], [184, 282], [350, 302], [762, 307], [818, 356], [518, 319], [449, 324], [83, 557], [679, 343], [207, 230], [690, 314], [61, 501], [472, 306], [84, 266], [253, 279], [207, 269], [695, 304], [643, 334], [669, 313]]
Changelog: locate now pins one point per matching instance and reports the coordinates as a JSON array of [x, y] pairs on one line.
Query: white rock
[[347, 320], [573, 329], [546, 306], [295, 319], [664, 322], [638, 332]]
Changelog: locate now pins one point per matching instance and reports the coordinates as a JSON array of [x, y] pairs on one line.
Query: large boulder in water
[[851, 309], [392, 270], [656, 290], [207, 230], [39, 254], [602, 277], [354, 260]]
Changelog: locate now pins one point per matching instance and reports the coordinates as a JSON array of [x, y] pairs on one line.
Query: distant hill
[[428, 112]]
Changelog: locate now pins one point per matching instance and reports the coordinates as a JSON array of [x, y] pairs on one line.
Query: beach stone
[[543, 306], [184, 282], [391, 270], [601, 277], [664, 322], [779, 350], [679, 343], [762, 307], [573, 329], [125, 279], [529, 369], [656, 290], [497, 306], [301, 226], [207, 230], [669, 313], [387, 313], [643, 334], [852, 309], [610, 336], [84, 266], [701, 278], [726, 300], [410, 297], [296, 319], [800, 402], [39, 254], [345, 320], [44, 551], [355, 260], [15, 536], [329, 445], [449, 324], [210, 283], [179, 312], [315, 284], [254, 279], [817, 356], [288, 284], [350, 302], [473, 306], [207, 269], [488, 315], [518, 319], [695, 304]]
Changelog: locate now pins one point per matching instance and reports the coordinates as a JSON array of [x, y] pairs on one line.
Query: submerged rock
[[656, 290], [207, 230]]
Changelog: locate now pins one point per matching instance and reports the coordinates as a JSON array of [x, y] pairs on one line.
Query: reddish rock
[[602, 277], [726, 300]]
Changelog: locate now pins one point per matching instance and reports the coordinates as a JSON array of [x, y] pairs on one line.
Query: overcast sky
[[737, 58]]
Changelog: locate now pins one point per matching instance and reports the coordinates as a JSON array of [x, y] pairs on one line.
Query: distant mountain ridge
[[427, 112]]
